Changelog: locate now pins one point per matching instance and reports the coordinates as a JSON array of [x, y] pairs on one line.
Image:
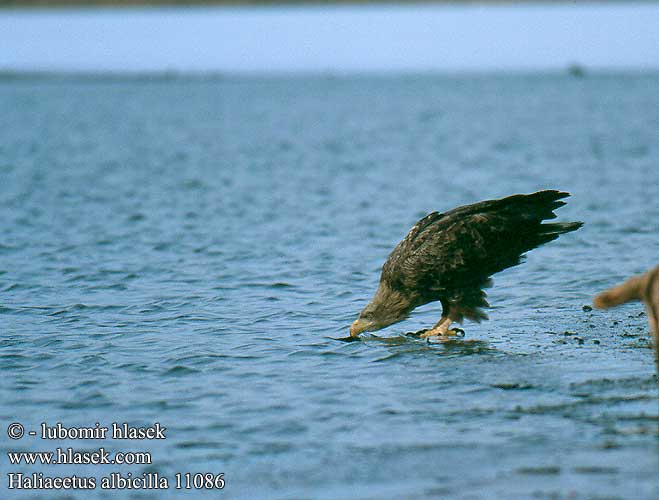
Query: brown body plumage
[[450, 258]]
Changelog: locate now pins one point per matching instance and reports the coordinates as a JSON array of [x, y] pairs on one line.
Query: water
[[183, 252]]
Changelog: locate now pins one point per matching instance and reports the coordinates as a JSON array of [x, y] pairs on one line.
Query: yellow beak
[[357, 327]]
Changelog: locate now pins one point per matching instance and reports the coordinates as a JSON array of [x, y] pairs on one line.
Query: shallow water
[[184, 251]]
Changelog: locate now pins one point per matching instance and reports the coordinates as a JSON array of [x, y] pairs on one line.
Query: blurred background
[[328, 37]]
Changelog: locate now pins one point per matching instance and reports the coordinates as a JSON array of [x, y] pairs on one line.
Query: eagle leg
[[441, 329]]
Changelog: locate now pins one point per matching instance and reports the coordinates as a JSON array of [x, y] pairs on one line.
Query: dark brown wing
[[540, 204], [456, 252]]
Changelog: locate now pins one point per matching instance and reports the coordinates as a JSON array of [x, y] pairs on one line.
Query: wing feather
[[462, 248]]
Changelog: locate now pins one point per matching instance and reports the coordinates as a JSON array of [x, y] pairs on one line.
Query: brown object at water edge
[[643, 287]]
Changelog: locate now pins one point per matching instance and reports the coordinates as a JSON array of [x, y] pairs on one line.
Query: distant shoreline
[[574, 71]]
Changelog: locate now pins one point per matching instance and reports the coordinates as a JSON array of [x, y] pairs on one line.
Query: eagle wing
[[451, 256]]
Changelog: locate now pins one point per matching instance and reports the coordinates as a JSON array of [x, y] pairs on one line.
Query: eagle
[[450, 257]]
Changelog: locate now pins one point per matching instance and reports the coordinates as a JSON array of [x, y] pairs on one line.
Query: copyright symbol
[[15, 430]]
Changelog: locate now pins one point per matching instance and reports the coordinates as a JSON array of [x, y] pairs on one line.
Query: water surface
[[184, 251]]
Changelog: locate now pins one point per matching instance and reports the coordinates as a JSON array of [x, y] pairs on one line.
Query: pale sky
[[424, 37]]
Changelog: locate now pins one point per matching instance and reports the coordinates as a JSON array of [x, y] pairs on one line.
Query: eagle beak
[[357, 327]]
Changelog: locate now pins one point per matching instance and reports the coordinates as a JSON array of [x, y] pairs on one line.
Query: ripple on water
[[199, 282], [180, 371]]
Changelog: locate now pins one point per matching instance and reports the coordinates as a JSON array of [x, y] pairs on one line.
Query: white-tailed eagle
[[450, 258]]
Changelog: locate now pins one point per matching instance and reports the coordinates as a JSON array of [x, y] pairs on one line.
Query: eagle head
[[385, 308]]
